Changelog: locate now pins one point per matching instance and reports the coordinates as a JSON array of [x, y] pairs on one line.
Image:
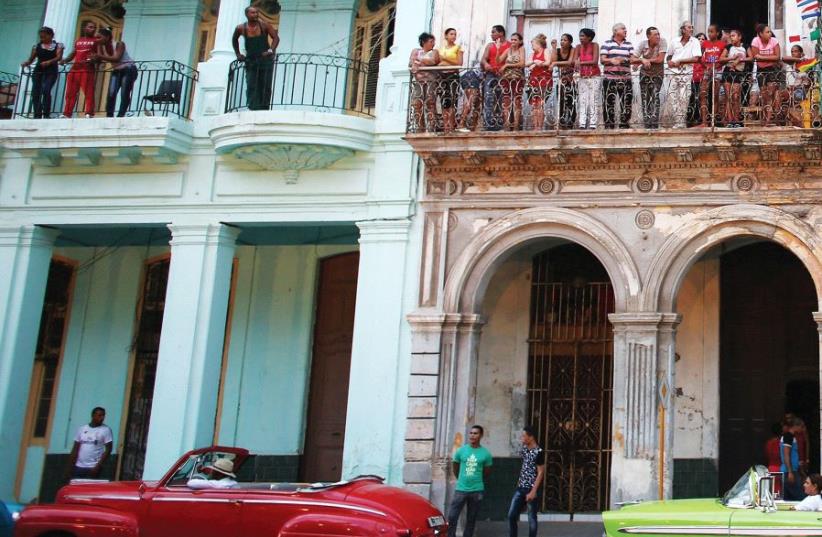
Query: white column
[[232, 13], [25, 255], [372, 395], [643, 414], [191, 343], [61, 16]]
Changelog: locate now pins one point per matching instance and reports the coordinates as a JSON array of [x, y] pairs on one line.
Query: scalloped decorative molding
[[291, 159]]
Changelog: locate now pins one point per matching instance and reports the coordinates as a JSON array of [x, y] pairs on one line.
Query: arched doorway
[[545, 359], [570, 376], [747, 353]]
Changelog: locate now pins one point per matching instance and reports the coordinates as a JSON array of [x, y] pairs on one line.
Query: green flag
[[816, 34]]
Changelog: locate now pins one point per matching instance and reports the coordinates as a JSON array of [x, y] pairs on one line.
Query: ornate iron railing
[[9, 84], [466, 100], [161, 88], [300, 81]]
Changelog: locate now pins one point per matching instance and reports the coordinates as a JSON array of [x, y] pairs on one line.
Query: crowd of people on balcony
[[93, 48], [707, 79]]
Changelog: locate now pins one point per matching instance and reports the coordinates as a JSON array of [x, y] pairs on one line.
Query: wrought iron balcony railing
[[443, 100], [159, 88], [301, 81], [9, 83]]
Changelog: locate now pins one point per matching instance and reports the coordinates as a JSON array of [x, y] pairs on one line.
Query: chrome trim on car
[[195, 499], [742, 531], [108, 497], [315, 503]]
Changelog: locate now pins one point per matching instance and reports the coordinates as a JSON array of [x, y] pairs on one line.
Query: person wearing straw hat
[[218, 475]]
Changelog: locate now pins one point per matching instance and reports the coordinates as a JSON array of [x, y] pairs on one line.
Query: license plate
[[436, 521]]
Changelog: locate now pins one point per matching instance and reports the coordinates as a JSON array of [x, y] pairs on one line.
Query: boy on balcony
[[83, 70], [258, 58]]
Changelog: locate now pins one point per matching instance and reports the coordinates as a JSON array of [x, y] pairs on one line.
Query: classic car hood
[[90, 492], [702, 505]]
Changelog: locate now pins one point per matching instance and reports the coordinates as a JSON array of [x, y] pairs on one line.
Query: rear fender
[[76, 520], [314, 525]]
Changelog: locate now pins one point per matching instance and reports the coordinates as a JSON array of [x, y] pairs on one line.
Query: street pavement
[[546, 529]]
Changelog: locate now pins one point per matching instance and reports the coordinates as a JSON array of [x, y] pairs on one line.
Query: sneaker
[[63, 116], [88, 116], [463, 129]]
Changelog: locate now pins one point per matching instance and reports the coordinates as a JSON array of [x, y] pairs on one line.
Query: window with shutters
[[207, 33], [373, 38]]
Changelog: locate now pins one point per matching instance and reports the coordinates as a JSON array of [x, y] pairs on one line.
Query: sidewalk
[[546, 529]]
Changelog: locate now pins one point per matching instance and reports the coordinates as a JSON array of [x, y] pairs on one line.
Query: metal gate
[[147, 346], [570, 379]]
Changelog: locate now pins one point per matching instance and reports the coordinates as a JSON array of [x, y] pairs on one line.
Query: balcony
[[9, 83], [159, 88], [519, 138], [298, 112]]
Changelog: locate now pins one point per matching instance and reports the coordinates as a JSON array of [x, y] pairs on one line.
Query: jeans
[[492, 102], [79, 472], [41, 85], [650, 87], [621, 91], [122, 82], [471, 500], [517, 502]]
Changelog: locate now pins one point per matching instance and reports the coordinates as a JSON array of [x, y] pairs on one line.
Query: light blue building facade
[[205, 274]]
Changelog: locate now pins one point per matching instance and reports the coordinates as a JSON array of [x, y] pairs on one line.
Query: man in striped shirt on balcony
[[615, 56]]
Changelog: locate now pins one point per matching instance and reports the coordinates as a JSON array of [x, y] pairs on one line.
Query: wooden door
[[330, 368], [767, 340]]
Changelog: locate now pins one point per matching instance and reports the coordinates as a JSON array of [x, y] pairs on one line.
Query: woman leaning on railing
[[424, 90], [451, 55]]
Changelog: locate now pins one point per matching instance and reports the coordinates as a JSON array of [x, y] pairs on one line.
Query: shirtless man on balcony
[[258, 57]]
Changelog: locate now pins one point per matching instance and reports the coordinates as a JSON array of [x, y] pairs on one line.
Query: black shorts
[[768, 75], [471, 80], [734, 77], [448, 89]]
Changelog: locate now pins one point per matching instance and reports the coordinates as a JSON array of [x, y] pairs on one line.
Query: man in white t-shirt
[[92, 446], [219, 475], [683, 53]]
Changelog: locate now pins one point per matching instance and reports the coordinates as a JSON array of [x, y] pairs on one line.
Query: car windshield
[[743, 493], [194, 465]]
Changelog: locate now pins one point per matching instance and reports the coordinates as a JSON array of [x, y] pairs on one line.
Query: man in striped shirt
[[615, 56]]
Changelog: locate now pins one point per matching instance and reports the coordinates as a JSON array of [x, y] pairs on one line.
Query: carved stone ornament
[[645, 184], [291, 159], [769, 154], [813, 152], [546, 186], [645, 219], [744, 182], [726, 154]]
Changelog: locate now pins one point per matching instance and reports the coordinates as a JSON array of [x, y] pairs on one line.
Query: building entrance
[[741, 15], [769, 353], [570, 377]]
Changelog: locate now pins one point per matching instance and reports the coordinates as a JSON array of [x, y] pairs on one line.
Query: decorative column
[[61, 16], [191, 343], [25, 256], [232, 13], [441, 402], [210, 93], [372, 395], [817, 316], [642, 411]]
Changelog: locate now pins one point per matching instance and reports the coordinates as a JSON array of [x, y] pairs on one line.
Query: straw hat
[[224, 466]]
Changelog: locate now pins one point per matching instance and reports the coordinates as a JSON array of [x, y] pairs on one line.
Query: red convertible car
[[363, 506]]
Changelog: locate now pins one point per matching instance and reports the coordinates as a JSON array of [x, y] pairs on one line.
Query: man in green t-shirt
[[471, 465]]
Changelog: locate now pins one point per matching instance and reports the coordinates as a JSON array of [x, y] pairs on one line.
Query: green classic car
[[748, 509]]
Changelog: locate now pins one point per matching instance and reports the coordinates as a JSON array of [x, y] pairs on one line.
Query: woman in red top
[[696, 83], [83, 70], [539, 81], [712, 49], [773, 458]]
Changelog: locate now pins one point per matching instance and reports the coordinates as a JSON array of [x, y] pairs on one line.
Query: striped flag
[[803, 3], [806, 65]]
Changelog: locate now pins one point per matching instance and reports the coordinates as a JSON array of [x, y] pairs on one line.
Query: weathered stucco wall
[[696, 433], [473, 20], [502, 374]]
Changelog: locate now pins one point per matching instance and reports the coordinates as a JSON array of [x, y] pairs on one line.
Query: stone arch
[[476, 264], [688, 243]]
